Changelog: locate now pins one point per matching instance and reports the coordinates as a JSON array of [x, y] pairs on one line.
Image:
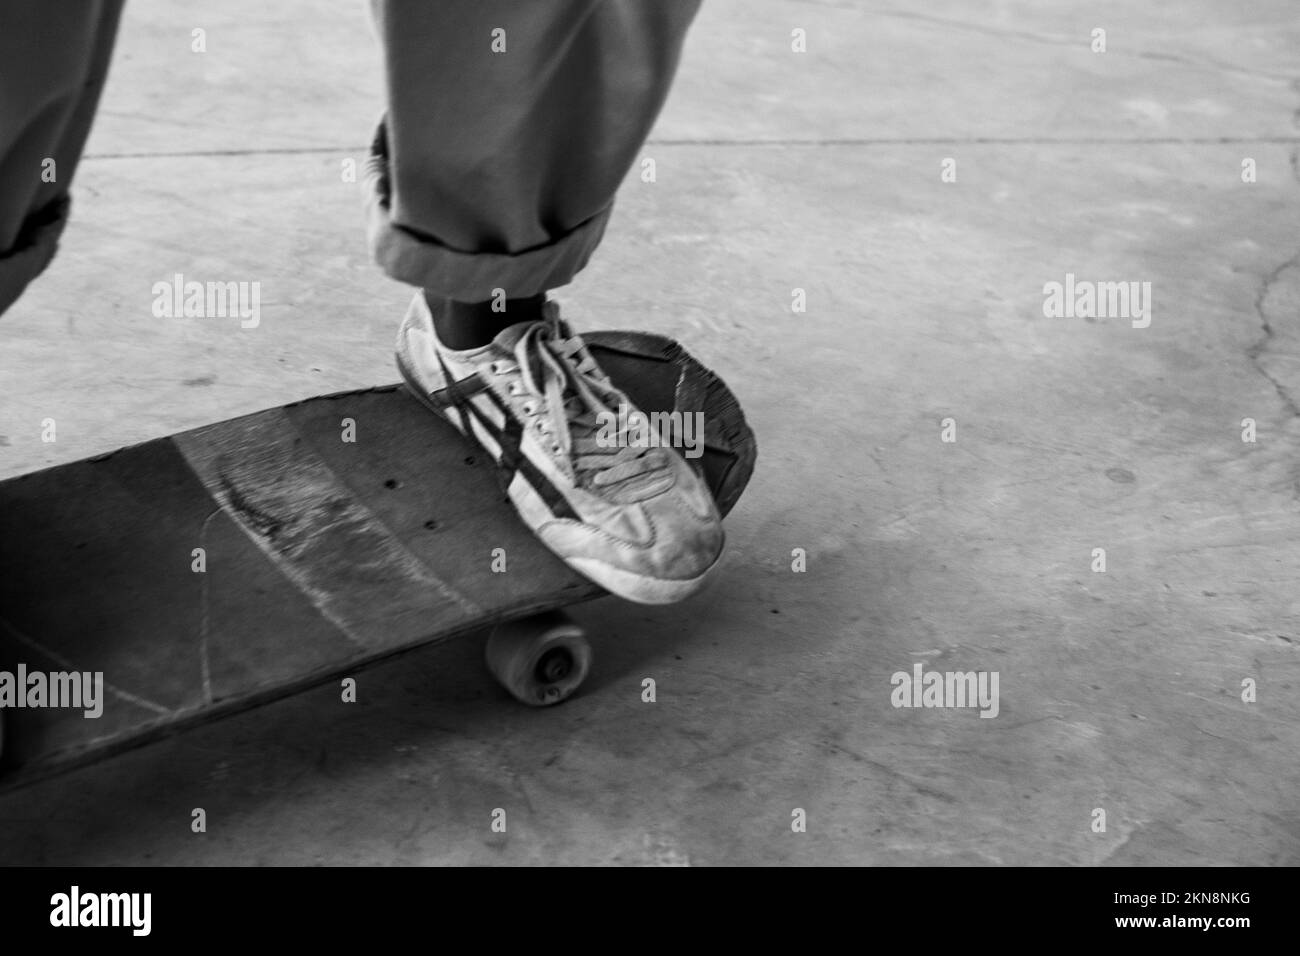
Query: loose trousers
[[509, 126]]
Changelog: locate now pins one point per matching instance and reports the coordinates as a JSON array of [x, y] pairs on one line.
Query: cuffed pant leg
[[496, 169], [53, 61]]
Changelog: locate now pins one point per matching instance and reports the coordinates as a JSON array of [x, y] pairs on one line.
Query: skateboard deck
[[220, 568]]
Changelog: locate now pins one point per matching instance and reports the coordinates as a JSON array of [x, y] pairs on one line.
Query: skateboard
[[205, 573]]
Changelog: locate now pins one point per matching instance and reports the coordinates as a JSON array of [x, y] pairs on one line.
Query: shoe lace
[[577, 396]]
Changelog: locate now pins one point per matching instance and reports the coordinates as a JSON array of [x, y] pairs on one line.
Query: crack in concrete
[[1198, 60], [1256, 351], [831, 141], [988, 141]]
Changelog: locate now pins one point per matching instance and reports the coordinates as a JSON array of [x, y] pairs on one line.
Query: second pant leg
[[54, 58], [497, 168]]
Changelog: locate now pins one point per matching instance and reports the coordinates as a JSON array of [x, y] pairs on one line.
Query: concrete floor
[[776, 170]]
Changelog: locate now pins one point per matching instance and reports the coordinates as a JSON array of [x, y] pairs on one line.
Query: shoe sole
[[640, 588]]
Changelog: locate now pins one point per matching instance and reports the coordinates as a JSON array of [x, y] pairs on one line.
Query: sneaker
[[637, 520]]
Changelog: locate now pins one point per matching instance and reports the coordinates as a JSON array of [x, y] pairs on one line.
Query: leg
[[496, 168], [55, 60], [510, 126]]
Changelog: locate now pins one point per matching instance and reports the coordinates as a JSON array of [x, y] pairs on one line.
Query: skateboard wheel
[[540, 660]]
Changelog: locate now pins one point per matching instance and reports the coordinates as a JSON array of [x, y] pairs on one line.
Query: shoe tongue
[[509, 337]]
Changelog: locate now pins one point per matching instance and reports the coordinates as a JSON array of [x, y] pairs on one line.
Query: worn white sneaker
[[636, 519]]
